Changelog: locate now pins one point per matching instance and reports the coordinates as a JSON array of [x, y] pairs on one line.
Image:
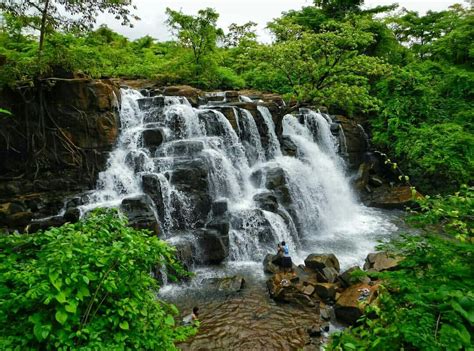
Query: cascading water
[[214, 178]]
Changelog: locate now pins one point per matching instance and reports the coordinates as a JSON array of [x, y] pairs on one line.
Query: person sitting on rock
[[192, 318], [286, 262]]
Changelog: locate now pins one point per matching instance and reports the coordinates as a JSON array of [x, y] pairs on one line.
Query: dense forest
[[408, 76]]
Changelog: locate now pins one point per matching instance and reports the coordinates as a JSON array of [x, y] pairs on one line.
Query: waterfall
[[274, 144], [207, 180]]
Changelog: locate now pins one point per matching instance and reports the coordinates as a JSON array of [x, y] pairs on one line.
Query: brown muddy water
[[245, 320]]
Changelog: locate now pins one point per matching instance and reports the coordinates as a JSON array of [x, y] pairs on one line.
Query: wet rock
[[346, 278], [213, 246], [281, 288], [185, 251], [55, 221], [72, 215], [266, 201], [232, 96], [381, 261], [276, 180], [326, 312], [227, 284], [270, 263], [326, 291], [351, 303], [393, 198], [375, 181], [190, 93], [314, 331], [288, 147], [157, 102], [219, 208], [327, 275], [152, 187], [140, 212], [153, 138], [320, 261]]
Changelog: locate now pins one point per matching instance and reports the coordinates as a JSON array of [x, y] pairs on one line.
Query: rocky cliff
[[54, 145]]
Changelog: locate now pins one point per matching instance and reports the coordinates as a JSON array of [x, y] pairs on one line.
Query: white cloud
[[152, 13]]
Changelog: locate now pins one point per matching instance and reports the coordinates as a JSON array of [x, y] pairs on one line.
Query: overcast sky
[[152, 13]]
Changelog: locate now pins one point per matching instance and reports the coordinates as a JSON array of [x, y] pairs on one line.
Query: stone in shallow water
[[225, 284]]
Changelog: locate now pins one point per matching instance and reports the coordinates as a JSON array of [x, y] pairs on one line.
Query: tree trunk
[[44, 15]]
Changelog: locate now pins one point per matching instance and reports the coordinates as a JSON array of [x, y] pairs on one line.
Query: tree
[[49, 15], [328, 67], [240, 35], [200, 33]]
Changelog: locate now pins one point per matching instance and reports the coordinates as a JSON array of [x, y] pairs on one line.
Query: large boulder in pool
[[213, 246]]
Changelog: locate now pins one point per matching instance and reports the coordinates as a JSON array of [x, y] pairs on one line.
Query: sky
[[152, 13]]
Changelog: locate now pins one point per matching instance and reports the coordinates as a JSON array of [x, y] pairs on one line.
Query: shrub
[[85, 286]]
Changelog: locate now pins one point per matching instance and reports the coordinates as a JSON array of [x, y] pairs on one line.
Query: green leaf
[[169, 320], [86, 280], [61, 297], [350, 346], [124, 325], [41, 331], [71, 307], [61, 316]]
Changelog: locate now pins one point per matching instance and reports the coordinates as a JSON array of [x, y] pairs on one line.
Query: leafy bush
[[454, 214], [427, 304], [85, 286]]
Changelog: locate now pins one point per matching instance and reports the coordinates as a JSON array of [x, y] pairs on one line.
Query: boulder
[[283, 287], [327, 275], [381, 261], [326, 291], [351, 303], [318, 262], [270, 263], [288, 147], [140, 212], [153, 138], [398, 197], [226, 284], [219, 208], [266, 201], [213, 247], [346, 279]]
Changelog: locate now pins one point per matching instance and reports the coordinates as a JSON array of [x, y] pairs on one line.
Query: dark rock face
[[46, 157], [152, 138], [213, 246], [140, 212]]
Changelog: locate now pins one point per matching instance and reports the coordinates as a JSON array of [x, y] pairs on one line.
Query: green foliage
[[454, 214], [85, 286], [5, 112], [424, 122], [427, 304]]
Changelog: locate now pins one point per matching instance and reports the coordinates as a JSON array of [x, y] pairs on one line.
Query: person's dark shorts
[[286, 262]]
